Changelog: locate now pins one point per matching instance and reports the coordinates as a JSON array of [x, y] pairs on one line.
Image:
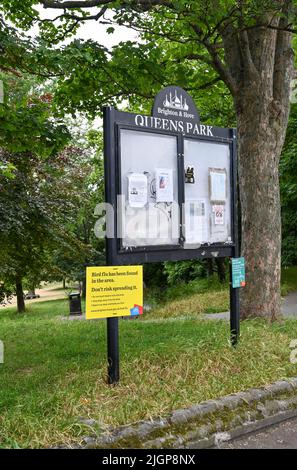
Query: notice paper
[[137, 189], [196, 227], [164, 185], [218, 179], [218, 211]]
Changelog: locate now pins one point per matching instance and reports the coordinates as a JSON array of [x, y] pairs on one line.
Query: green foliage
[[184, 271], [40, 199], [288, 182], [26, 120]]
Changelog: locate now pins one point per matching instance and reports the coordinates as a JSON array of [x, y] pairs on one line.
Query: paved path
[[280, 436], [46, 293], [289, 309]]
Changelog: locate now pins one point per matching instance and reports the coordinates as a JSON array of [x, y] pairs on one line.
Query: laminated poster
[[137, 189], [164, 185], [218, 211], [218, 181]]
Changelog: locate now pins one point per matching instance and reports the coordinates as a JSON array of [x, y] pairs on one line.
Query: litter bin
[[74, 303]]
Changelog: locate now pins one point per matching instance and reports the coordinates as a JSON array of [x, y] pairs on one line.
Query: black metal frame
[[114, 121]]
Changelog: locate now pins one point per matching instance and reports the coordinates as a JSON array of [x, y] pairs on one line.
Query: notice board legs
[[234, 315], [113, 350]]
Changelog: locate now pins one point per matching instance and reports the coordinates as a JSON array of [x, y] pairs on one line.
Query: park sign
[[170, 193], [170, 184]]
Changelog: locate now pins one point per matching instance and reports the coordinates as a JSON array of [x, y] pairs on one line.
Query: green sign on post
[[238, 272]]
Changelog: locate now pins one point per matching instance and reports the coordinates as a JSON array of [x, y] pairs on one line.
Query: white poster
[[218, 180], [164, 185], [218, 211], [196, 226], [137, 190]]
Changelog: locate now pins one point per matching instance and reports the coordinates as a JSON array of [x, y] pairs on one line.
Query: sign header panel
[[114, 291], [175, 103]]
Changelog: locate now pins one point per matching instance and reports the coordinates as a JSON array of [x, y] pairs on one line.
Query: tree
[[248, 46], [37, 198]]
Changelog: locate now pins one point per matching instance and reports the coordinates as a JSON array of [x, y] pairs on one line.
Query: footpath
[[289, 309]]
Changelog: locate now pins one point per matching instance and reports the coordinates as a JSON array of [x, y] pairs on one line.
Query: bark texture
[[260, 68], [20, 295]]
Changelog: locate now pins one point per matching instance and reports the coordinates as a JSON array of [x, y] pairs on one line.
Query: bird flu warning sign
[[114, 291]]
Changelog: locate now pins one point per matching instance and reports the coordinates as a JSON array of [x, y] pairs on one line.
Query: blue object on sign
[[134, 311]]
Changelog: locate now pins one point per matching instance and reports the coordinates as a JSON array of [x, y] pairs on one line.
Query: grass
[[55, 370], [289, 280], [204, 296]]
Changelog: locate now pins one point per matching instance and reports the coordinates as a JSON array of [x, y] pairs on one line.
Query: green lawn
[[55, 370], [204, 296], [289, 280]]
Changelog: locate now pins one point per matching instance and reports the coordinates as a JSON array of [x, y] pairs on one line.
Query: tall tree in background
[[248, 46], [37, 198]]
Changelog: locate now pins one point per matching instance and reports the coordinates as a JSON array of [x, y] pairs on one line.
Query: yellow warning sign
[[114, 291]]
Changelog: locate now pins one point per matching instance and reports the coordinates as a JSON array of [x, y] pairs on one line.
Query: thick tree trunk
[[259, 72], [259, 151], [20, 295]]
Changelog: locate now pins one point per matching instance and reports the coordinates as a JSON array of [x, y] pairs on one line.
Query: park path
[[51, 292], [280, 436], [289, 309]]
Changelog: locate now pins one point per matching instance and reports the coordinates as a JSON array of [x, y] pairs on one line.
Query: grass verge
[[54, 370], [289, 280]]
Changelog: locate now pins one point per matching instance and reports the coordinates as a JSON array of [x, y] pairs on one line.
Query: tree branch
[[72, 4], [216, 61], [284, 57]]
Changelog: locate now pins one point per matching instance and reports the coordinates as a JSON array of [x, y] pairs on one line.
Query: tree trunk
[[258, 159], [209, 267], [220, 262], [64, 283], [84, 287], [20, 295], [260, 69]]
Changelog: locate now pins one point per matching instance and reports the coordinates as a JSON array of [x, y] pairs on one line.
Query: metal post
[[234, 292], [234, 312], [113, 355]]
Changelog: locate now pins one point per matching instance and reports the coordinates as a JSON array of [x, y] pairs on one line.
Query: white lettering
[[196, 130], [203, 129], [139, 121], [181, 126], [209, 131], [157, 122], [173, 125], [189, 127], [165, 123]]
